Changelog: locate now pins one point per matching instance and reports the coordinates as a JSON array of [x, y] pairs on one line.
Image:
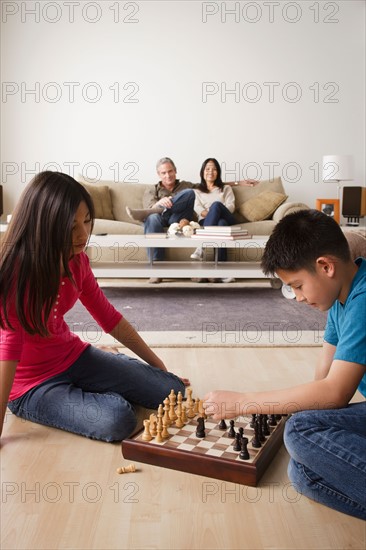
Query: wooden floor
[[62, 491]]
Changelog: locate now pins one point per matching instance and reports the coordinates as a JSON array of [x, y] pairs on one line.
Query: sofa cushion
[[243, 193], [262, 206], [102, 200]]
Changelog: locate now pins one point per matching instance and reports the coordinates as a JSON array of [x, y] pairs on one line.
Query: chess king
[[326, 434]]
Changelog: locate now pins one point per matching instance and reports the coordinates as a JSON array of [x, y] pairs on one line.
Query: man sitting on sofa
[[169, 201]]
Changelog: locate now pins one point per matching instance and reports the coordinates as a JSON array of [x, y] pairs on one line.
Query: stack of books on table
[[227, 232]]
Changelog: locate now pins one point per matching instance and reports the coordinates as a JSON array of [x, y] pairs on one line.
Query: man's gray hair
[[163, 161]]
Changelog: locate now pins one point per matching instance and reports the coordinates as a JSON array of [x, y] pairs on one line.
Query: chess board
[[212, 456]]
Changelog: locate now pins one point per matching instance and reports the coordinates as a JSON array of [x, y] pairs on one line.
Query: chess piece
[[184, 414], [165, 433], [159, 427], [200, 431], [231, 432], [260, 429], [153, 424], [146, 436], [179, 422], [126, 469], [166, 412], [222, 425], [266, 430], [272, 420], [244, 453], [201, 410], [172, 402], [237, 443], [196, 405], [252, 423], [190, 413], [256, 443]]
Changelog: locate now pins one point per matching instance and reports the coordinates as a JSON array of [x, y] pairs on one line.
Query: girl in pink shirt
[[48, 374]]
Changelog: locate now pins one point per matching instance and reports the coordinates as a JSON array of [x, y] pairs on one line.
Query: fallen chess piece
[[126, 469]]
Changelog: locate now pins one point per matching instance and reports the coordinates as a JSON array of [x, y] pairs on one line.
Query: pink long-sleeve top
[[41, 358]]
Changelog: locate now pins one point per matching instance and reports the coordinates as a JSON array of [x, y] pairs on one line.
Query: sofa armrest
[[288, 208]]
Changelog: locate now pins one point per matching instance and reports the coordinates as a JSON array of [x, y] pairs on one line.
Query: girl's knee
[[119, 425]]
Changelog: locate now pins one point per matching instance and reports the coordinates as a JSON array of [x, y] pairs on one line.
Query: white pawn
[[146, 436], [153, 424], [190, 404], [165, 433]]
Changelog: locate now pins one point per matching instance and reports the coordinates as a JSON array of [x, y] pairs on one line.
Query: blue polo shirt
[[346, 324]]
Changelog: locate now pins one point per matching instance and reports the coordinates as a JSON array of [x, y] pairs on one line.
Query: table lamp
[[337, 168]]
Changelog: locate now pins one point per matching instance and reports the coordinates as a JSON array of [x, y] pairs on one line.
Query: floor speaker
[[354, 204]]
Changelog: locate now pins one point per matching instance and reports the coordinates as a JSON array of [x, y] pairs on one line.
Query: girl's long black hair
[[37, 243]]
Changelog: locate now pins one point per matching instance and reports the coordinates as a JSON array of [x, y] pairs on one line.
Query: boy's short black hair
[[302, 237]]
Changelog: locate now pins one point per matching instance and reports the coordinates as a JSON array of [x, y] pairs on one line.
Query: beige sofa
[[258, 209]]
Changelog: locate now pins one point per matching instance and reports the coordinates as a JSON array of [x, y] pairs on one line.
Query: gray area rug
[[197, 309]]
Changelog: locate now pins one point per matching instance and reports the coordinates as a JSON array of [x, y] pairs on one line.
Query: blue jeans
[[95, 396], [183, 203], [218, 214], [328, 457]]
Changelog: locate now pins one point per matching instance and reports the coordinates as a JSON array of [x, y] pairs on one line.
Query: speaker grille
[[354, 201]]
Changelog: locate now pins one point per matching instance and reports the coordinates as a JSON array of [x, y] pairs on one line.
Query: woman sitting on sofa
[[214, 203]]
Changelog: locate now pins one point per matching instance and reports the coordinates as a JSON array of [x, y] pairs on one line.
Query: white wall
[[163, 53]]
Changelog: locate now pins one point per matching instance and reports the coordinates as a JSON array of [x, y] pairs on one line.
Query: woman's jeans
[[218, 214], [328, 457], [95, 396]]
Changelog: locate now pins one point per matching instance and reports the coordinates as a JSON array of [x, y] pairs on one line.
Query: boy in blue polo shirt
[[325, 436]]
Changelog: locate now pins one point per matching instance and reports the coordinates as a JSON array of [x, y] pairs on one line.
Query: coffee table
[[176, 269]]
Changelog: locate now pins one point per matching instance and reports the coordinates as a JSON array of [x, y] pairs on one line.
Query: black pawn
[[244, 454], [222, 425], [200, 431], [231, 432], [241, 431], [272, 420], [237, 444]]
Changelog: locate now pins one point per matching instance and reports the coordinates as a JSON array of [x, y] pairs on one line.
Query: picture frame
[[330, 207]]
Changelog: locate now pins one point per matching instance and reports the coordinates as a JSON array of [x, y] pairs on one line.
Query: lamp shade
[[337, 168]]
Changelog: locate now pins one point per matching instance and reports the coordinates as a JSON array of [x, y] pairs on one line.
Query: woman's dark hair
[[218, 183], [302, 237], [38, 239]]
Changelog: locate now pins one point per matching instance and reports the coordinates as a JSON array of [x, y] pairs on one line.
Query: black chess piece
[[272, 420], [222, 425], [256, 443], [237, 443], [231, 432], [244, 454], [200, 430], [266, 430], [252, 422], [241, 431], [260, 429]]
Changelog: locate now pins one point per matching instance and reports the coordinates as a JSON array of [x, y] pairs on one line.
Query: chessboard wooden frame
[[244, 473]]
